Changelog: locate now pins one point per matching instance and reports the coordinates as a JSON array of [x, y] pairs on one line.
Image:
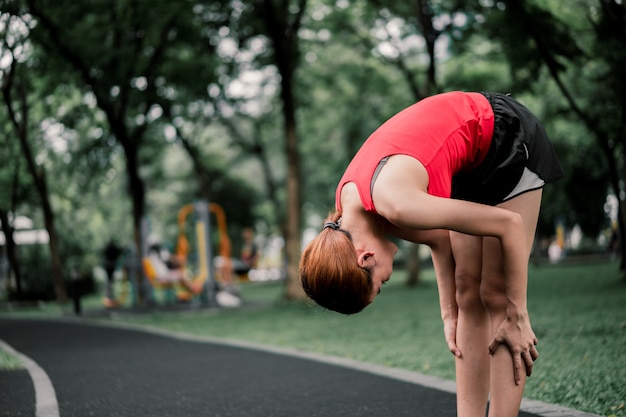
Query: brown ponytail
[[329, 271]]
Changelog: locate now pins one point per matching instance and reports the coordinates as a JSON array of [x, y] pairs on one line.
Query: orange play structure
[[197, 278]]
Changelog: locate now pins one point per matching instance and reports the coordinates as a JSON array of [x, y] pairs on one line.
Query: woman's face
[[383, 267]]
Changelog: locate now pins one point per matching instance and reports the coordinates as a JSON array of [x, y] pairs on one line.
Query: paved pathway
[[76, 368]]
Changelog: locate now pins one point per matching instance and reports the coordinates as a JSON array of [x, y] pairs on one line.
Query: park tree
[[148, 73], [11, 172], [582, 48], [11, 175], [146, 52], [20, 98], [281, 24], [297, 86]]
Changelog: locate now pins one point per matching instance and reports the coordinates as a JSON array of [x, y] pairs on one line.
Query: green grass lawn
[[578, 313], [8, 361]]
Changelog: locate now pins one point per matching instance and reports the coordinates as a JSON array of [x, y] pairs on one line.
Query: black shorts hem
[[518, 142], [522, 192]]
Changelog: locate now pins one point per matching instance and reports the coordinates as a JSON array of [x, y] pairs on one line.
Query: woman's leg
[[505, 395], [473, 328]]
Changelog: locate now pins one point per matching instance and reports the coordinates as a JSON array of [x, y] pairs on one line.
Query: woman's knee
[[467, 288], [467, 252], [493, 296]]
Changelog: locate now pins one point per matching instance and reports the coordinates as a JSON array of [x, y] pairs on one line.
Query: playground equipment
[[224, 272], [201, 280]]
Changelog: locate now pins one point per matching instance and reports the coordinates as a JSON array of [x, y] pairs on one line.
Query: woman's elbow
[[511, 226]]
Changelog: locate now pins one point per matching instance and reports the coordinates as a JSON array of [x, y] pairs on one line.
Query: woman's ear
[[366, 259]]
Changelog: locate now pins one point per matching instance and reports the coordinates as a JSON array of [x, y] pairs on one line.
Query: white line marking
[[46, 404]]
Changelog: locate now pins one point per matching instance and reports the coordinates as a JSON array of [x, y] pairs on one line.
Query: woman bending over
[[462, 173]]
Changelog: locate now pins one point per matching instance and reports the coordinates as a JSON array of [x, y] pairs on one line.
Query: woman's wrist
[[516, 310], [449, 312]]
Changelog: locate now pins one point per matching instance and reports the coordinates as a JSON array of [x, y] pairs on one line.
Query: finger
[[451, 340], [454, 350], [534, 353], [493, 346], [517, 369], [528, 362]]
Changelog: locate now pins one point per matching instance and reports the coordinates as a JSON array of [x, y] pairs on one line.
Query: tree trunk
[[203, 178], [20, 125], [136, 191], [621, 222], [294, 214], [55, 256], [282, 24], [11, 251], [293, 289], [413, 266]]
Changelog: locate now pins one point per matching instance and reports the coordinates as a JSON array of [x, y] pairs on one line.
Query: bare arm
[[400, 197], [443, 262]]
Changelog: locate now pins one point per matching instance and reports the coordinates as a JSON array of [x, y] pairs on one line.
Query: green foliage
[[586, 187], [348, 95], [108, 83], [36, 271], [516, 24], [484, 69]]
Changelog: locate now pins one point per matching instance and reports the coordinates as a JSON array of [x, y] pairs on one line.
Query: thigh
[[527, 205]]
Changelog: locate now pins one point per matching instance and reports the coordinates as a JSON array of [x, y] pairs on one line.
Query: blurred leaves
[[113, 77]]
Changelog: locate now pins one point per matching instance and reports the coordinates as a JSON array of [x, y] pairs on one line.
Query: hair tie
[[332, 225]]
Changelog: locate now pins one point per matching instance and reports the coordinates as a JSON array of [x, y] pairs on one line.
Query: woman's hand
[[515, 332], [439, 242], [449, 330]]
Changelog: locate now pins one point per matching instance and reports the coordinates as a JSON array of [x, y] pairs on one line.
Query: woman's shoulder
[[349, 195], [403, 169], [402, 178]]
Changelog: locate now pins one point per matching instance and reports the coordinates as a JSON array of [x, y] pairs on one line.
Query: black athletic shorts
[[520, 157]]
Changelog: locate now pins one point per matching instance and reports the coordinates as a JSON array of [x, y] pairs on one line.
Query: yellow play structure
[[195, 278]]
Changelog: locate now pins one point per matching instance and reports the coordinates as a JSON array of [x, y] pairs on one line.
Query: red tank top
[[447, 133]]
